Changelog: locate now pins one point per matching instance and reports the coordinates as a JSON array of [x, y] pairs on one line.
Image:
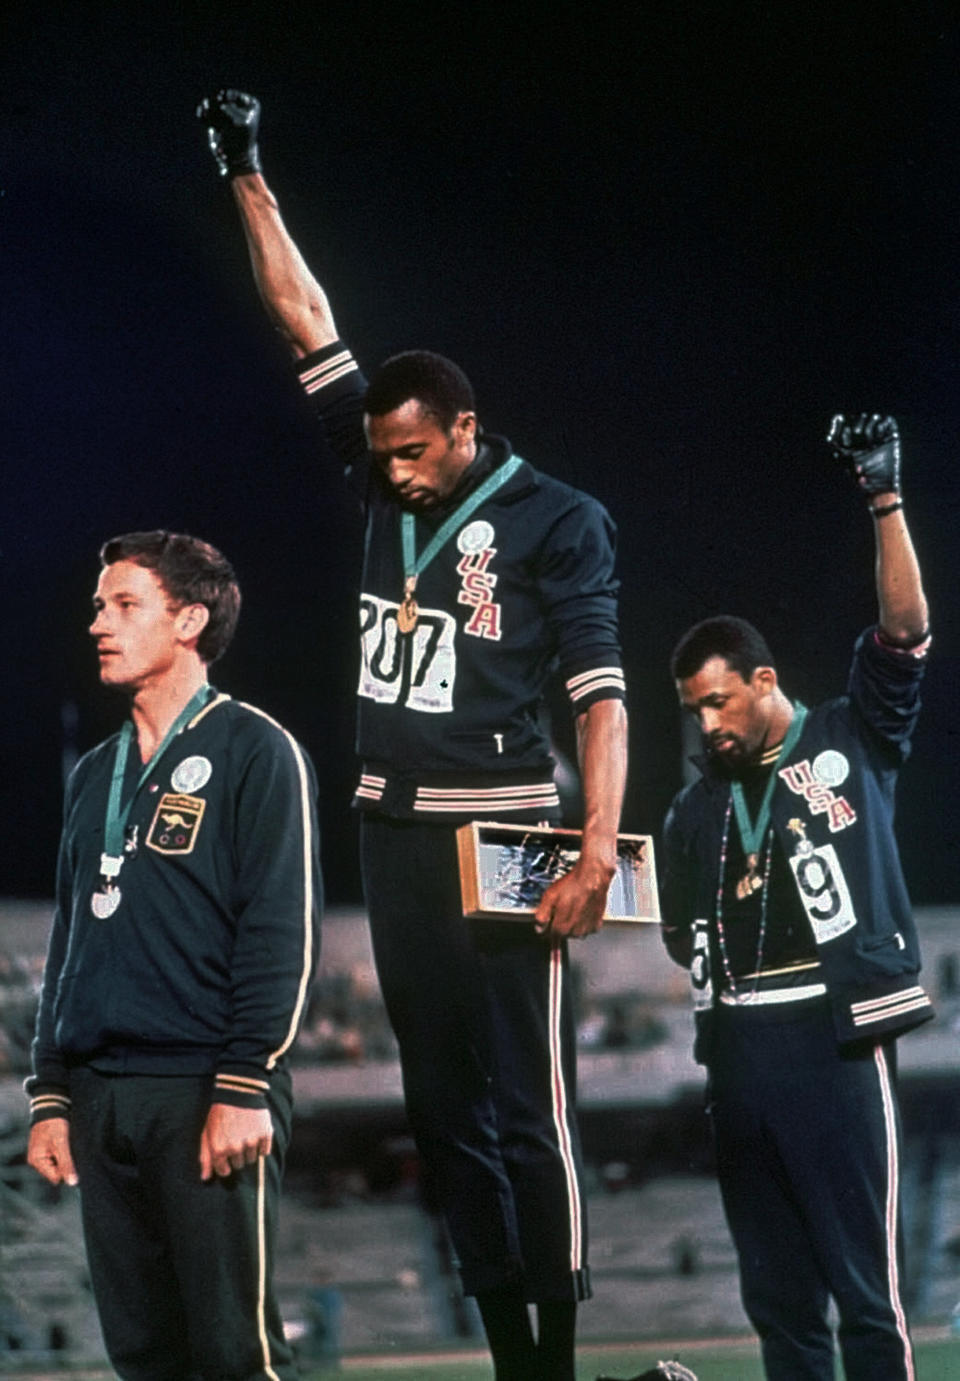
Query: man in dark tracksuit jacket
[[185, 936], [782, 892], [479, 575]]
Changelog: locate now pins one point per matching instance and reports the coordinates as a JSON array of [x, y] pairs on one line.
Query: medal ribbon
[[751, 835], [116, 819], [413, 564]]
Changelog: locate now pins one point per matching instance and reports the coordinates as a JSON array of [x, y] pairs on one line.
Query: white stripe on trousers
[[893, 1191], [262, 1266], [561, 1110]]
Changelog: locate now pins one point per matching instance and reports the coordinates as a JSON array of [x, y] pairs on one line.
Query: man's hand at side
[[573, 906], [48, 1151], [232, 1138]]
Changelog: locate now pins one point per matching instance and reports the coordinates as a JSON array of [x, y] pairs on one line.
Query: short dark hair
[[434, 381], [733, 639], [191, 572]]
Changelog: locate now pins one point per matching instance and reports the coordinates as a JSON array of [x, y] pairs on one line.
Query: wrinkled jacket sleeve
[[276, 902], [579, 592], [48, 1086], [335, 389], [884, 688]]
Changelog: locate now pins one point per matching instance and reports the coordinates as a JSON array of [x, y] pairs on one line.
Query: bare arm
[[574, 905], [295, 301], [903, 605]]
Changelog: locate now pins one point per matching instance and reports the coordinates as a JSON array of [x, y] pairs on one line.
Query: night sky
[[667, 242]]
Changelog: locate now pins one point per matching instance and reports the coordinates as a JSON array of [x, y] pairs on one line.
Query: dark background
[[667, 243]]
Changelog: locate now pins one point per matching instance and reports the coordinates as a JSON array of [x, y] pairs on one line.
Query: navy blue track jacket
[[447, 720], [833, 812], [205, 966]]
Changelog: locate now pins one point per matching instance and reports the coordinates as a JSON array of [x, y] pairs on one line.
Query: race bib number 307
[[416, 669]]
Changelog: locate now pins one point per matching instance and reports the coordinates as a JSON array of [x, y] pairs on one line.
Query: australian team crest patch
[[176, 823]]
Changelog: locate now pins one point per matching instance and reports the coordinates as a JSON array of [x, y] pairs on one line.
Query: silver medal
[[104, 904]]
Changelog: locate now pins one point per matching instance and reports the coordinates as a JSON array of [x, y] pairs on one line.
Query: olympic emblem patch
[[830, 767], [192, 774], [176, 823], [475, 536]]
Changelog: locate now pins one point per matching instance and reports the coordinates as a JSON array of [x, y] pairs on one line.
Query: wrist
[[246, 166], [885, 505], [250, 185], [599, 856]]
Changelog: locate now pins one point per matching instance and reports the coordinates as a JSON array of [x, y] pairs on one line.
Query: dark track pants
[[808, 1154], [181, 1269], [483, 1016]]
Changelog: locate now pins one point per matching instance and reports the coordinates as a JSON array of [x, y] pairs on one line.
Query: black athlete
[[480, 574], [184, 940], [783, 893]]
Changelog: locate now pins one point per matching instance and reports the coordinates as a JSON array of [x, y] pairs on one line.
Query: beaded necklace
[[735, 992], [752, 835]]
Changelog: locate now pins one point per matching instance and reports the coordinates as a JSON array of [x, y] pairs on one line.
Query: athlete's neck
[[781, 717], [472, 474], [156, 706]]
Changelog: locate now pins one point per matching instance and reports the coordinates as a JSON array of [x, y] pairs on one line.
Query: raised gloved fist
[[232, 119], [869, 447]]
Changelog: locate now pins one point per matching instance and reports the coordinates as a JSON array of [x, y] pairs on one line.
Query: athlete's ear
[[192, 619], [764, 680], [465, 424]]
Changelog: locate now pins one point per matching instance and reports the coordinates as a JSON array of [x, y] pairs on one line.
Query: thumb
[[206, 1156], [62, 1158], [68, 1170]]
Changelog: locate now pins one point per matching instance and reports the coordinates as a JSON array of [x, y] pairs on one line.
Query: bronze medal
[[751, 880]]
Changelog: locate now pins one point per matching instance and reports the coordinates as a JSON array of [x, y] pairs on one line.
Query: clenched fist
[[232, 119], [868, 446]]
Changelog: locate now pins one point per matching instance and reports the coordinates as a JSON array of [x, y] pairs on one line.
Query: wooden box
[[505, 870]]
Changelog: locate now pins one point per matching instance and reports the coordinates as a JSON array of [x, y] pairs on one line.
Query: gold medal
[[751, 880], [408, 612]]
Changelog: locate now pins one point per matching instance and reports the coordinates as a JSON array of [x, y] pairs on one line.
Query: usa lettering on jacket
[[804, 780]]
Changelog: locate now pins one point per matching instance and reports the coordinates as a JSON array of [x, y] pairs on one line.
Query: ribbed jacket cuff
[[48, 1103], [241, 1090]]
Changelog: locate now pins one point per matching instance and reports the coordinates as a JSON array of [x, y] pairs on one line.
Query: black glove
[[663, 1371], [232, 119], [869, 447]]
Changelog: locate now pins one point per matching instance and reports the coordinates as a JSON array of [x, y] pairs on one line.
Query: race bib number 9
[[417, 669], [823, 891]]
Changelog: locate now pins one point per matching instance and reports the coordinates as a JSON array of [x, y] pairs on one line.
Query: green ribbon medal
[[408, 612], [104, 902], [751, 834]]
